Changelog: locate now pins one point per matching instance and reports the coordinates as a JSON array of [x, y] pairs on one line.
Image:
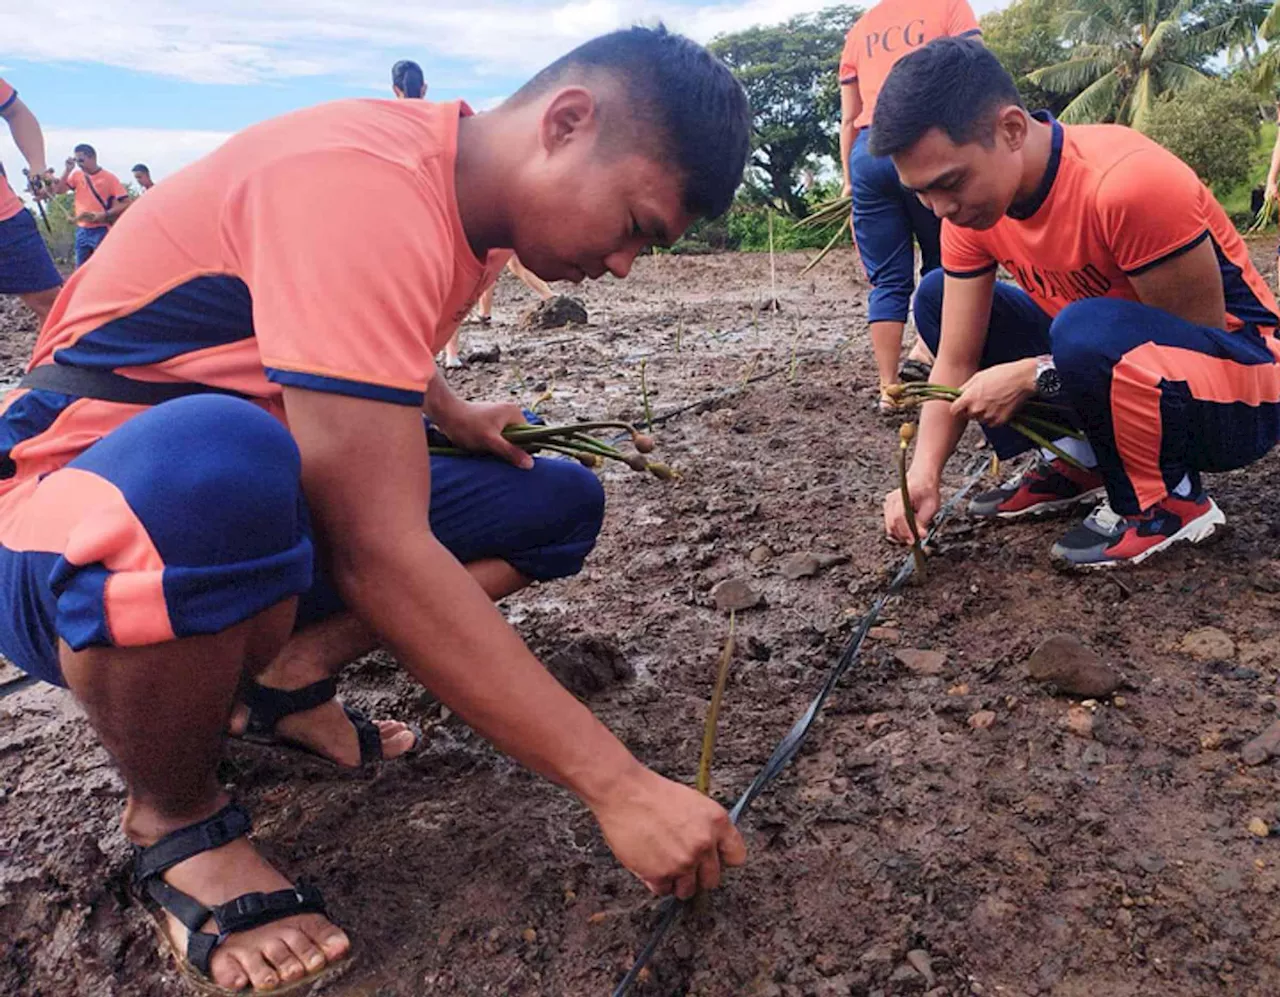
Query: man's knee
[[563, 516], [216, 479], [927, 309], [1079, 335]]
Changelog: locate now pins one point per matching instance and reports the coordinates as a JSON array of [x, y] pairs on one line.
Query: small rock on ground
[[1208, 644], [921, 662], [734, 594], [1074, 668], [1262, 747], [554, 313]]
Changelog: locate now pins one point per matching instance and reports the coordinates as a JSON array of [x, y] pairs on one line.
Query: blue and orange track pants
[[1159, 398], [190, 518]]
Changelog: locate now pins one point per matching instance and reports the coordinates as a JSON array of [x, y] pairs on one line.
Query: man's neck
[[1036, 153], [480, 172], [92, 172]]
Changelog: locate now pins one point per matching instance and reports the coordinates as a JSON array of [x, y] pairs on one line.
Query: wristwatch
[[1048, 380]]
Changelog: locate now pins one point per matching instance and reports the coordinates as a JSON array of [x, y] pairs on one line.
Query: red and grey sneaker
[[1044, 487], [1105, 539]]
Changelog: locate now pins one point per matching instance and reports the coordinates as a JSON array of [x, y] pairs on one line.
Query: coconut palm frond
[[1165, 38], [1270, 27], [1070, 76], [1141, 100], [1095, 102]]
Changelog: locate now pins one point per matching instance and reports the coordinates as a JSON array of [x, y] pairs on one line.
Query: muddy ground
[[1021, 857]]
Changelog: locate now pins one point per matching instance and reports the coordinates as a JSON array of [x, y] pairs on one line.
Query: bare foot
[[265, 957]]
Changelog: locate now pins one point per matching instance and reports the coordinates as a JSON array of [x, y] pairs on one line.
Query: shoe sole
[[1047, 508], [1197, 531]]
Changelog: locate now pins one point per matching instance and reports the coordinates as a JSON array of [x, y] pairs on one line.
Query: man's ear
[[572, 115], [1012, 127]]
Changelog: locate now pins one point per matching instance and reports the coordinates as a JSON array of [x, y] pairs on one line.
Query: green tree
[[790, 74], [1212, 128], [1126, 54], [1027, 36]]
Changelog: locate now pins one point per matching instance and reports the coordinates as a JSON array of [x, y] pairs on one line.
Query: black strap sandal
[[250, 910], [267, 707], [915, 371]]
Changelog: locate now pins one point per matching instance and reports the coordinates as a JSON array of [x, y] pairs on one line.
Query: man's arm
[[118, 207], [966, 313], [27, 135], [1188, 285], [850, 108], [367, 479]]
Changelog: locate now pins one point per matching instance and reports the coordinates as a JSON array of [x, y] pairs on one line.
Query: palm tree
[[1127, 53], [1266, 64]]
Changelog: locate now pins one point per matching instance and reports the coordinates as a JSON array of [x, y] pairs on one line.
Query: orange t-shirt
[[1112, 204], [10, 203], [892, 29], [95, 193], [276, 281]]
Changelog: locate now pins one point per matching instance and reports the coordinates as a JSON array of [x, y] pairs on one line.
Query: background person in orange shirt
[[887, 221], [1137, 311], [100, 199], [26, 268]]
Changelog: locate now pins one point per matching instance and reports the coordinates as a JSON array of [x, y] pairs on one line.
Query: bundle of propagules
[[1037, 420], [575, 440]]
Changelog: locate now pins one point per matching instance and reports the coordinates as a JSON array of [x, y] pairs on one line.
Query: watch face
[[1048, 382]]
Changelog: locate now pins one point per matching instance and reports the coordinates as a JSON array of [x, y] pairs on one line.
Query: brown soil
[[1023, 858]]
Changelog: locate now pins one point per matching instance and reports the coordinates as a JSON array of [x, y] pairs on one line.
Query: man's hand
[[926, 497], [70, 163], [92, 217], [1272, 189], [478, 426], [671, 837], [846, 189], [992, 396]]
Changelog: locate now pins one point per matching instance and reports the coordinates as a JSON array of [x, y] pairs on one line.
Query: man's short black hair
[[406, 75], [140, 168], [953, 84], [688, 97], [85, 149]]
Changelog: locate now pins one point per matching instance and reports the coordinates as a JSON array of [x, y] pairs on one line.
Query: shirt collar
[[1024, 209]]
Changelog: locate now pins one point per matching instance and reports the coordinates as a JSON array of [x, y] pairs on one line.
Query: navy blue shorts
[[190, 518], [88, 240], [25, 263]]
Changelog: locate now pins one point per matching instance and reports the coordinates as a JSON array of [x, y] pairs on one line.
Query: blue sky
[[167, 81]]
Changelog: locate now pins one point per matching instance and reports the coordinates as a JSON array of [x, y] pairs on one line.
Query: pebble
[[1259, 827], [1079, 721], [959, 689], [1119, 702], [1262, 747], [1094, 755], [759, 554], [921, 662], [1074, 668], [529, 935], [922, 964], [799, 566], [1208, 644], [982, 720], [887, 634], [734, 594], [877, 721], [1211, 740]]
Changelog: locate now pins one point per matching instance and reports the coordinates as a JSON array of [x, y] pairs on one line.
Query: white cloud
[[164, 151], [248, 41]]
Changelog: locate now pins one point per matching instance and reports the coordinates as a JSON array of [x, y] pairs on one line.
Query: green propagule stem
[[703, 783], [905, 435], [574, 441]]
